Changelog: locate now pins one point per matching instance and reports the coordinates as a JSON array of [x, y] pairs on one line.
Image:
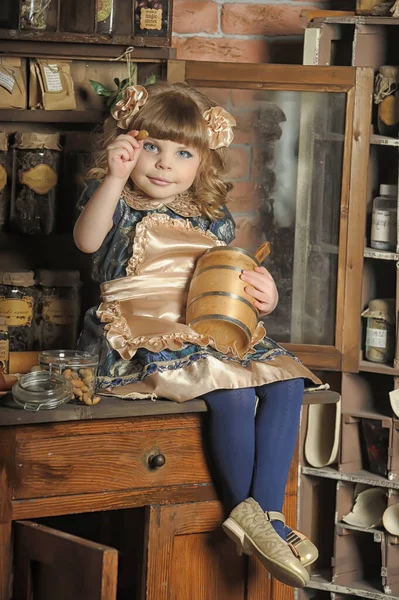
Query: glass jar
[[58, 309], [9, 14], [151, 18], [18, 307], [34, 14], [4, 347], [380, 331], [4, 182], [36, 164], [41, 390], [384, 219], [105, 16], [80, 368]]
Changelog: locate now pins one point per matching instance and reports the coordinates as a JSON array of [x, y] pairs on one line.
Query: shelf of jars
[[88, 51], [319, 581], [357, 20], [384, 140], [380, 254], [106, 22], [362, 476], [89, 117], [371, 367]]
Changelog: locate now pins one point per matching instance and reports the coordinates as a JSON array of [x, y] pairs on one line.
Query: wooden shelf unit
[[89, 117], [365, 42]]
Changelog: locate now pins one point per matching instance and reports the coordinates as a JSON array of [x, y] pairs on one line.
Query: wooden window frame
[[357, 84]]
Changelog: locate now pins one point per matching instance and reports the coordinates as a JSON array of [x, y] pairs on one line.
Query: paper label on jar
[[383, 227], [151, 18], [41, 179], [377, 338], [60, 312], [4, 351], [104, 8], [53, 78], [7, 81], [3, 178], [18, 312]]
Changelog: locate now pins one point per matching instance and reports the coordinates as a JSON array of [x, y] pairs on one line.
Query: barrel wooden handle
[[262, 252]]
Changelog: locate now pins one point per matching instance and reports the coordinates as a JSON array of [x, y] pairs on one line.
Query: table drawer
[[89, 463]]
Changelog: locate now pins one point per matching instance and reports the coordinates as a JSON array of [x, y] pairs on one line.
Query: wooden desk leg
[[7, 440], [5, 560]]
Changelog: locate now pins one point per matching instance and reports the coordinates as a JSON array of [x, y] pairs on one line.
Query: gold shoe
[[250, 528]]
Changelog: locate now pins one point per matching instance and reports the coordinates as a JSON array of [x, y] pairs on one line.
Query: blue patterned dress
[[110, 263]]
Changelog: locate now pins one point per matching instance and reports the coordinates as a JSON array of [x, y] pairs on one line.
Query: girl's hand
[[262, 288], [122, 154]]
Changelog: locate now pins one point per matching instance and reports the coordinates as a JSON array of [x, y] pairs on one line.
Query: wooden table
[[117, 456]]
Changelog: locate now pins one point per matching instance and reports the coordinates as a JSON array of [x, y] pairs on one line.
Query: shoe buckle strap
[[293, 539], [294, 551], [273, 515]]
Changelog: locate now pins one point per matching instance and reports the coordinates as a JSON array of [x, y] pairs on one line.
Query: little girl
[[152, 207]]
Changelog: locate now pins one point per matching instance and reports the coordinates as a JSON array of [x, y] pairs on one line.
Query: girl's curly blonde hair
[[174, 112]]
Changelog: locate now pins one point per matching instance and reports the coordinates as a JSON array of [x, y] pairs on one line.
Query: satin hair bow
[[133, 98], [220, 124]]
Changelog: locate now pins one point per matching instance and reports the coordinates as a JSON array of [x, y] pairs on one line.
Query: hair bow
[[219, 123], [133, 98]]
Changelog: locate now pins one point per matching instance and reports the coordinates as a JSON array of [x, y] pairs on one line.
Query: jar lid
[[67, 358], [22, 278], [58, 278], [41, 390], [388, 189], [381, 308], [37, 141]]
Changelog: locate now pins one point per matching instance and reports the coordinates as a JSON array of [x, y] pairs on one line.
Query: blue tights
[[252, 456]]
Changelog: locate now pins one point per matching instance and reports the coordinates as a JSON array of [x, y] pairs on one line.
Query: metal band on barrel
[[216, 267], [222, 318], [230, 249], [234, 296]]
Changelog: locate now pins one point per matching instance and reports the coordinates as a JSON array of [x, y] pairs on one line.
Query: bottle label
[[4, 351], [383, 228], [41, 179], [3, 178], [377, 338], [18, 313], [104, 8], [151, 18], [60, 312]]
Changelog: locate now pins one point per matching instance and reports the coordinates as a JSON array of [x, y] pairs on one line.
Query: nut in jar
[[79, 368]]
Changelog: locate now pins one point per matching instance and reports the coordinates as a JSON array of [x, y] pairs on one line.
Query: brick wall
[[237, 31]]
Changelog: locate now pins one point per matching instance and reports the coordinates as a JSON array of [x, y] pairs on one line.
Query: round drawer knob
[[158, 460]]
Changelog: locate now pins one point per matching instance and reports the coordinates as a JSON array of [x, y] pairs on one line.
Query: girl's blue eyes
[[154, 148], [184, 153], [150, 147]]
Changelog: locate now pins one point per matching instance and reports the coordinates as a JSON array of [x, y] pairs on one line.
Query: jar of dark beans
[[36, 160], [58, 309], [17, 305], [4, 179]]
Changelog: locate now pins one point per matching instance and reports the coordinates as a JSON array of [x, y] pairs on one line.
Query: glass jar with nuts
[[79, 368]]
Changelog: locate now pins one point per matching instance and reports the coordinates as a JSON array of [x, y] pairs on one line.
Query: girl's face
[[165, 169]]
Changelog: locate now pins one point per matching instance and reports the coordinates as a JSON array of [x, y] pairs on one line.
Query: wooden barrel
[[217, 303]]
